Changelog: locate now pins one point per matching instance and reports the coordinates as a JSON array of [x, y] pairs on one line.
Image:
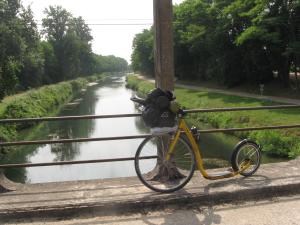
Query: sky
[[108, 39]]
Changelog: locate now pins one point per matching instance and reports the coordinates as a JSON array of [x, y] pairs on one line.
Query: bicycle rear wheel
[[156, 172]]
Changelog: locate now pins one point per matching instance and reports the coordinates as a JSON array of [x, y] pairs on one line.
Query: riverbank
[[283, 143], [107, 97], [39, 102]]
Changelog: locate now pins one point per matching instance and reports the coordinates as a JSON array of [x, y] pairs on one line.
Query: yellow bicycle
[[166, 162]]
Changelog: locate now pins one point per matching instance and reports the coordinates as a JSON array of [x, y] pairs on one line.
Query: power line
[[119, 24], [105, 19], [88, 21], [113, 24], [96, 22]]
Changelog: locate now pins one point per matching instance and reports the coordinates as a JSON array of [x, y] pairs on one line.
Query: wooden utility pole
[[163, 44], [164, 75]]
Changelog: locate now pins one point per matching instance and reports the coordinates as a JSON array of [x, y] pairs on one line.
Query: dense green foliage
[[142, 55], [230, 41], [284, 143], [108, 64], [28, 61], [38, 103]]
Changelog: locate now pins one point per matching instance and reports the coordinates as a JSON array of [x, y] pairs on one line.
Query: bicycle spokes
[[163, 174], [246, 158]]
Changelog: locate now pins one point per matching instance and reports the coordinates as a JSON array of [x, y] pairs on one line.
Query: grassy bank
[[284, 143], [38, 103]]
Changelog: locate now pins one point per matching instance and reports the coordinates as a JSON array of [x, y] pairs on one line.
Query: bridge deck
[[126, 194]]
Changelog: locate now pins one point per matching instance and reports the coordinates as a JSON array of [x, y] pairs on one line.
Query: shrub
[[275, 143], [78, 84], [38, 103]]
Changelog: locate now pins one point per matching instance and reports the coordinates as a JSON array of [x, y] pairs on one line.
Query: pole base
[[7, 185]]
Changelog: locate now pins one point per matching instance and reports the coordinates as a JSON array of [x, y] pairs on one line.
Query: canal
[[109, 97]]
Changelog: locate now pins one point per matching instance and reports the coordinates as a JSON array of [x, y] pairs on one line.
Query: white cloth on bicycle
[[163, 130]]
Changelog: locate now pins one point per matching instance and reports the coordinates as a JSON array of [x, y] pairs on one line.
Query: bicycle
[[166, 162]]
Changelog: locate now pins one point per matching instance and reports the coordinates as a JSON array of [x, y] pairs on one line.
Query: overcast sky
[[108, 40]]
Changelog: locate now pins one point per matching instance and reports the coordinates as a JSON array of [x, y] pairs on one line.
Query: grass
[[278, 142], [273, 88]]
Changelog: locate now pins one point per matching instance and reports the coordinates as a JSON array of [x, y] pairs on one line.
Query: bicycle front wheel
[[246, 151], [163, 175]]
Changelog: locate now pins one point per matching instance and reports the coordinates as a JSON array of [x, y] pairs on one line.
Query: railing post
[[7, 185]]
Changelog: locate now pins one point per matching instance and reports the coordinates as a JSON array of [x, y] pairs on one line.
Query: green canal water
[[109, 97]]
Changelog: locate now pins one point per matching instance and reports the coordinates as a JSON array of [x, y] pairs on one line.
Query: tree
[[50, 63], [55, 28], [83, 34], [71, 41], [20, 62], [33, 62], [109, 64], [142, 55], [272, 29], [231, 41], [27, 62], [194, 27], [11, 46]]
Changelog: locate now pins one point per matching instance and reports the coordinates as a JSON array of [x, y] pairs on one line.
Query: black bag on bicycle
[[157, 111]]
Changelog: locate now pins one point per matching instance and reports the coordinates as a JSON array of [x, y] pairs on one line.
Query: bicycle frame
[[183, 128]]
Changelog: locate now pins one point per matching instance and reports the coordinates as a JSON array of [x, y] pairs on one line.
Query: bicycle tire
[[152, 172], [246, 150]]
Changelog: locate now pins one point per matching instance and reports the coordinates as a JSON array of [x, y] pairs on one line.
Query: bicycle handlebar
[[143, 102], [138, 100]]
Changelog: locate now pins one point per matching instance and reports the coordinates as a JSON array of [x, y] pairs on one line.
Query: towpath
[[235, 93]]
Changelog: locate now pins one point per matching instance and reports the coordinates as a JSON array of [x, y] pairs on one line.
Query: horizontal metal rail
[[242, 108], [16, 143], [6, 144], [68, 118], [116, 138], [249, 128], [72, 162], [139, 114]]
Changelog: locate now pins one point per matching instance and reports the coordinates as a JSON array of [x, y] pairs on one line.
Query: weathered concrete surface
[[128, 194], [274, 211], [6, 184]]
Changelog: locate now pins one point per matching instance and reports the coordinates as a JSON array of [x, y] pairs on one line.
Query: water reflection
[[109, 97], [65, 152]]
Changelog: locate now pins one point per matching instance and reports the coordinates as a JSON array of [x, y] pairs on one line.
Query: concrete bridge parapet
[[128, 194]]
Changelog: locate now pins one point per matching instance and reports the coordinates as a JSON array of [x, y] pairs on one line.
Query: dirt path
[[236, 93]]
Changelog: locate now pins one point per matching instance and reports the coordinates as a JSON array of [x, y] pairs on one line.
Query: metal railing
[[18, 143]]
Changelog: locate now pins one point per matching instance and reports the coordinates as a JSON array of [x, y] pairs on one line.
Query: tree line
[[62, 49], [230, 41]]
